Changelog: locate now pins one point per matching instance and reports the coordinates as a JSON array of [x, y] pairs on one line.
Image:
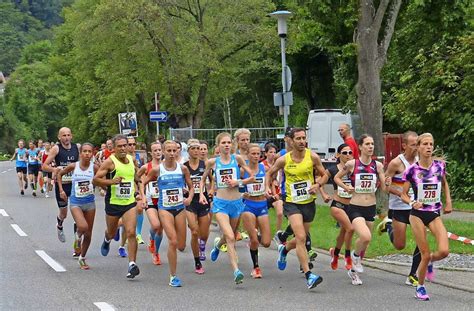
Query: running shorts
[[308, 210], [118, 210], [366, 212], [232, 208], [258, 208], [426, 216], [401, 215]]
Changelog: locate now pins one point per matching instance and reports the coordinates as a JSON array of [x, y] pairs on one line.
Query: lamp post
[[286, 96]]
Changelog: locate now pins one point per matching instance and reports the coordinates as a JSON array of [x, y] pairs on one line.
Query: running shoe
[[199, 269], [77, 246], [312, 255], [61, 236], [276, 238], [140, 239], [430, 273], [42, 190], [382, 226], [281, 257], [117, 235], [104, 249], [26, 186], [34, 193], [281, 237], [151, 246], [223, 248], [22, 192], [215, 249], [348, 261], [354, 277], [356, 263], [75, 254], [174, 281], [133, 271], [256, 273], [244, 235], [46, 195], [122, 252], [156, 259], [334, 259], [238, 276], [313, 280], [82, 264], [421, 293], [411, 280]]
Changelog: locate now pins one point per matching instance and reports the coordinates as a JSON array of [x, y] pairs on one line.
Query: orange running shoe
[[156, 259], [151, 246], [238, 236], [334, 259], [348, 261], [256, 273]]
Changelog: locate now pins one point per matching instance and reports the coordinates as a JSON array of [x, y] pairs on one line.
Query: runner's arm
[[392, 170], [189, 184], [100, 177], [384, 182], [271, 174], [346, 169], [448, 207], [14, 154], [62, 172], [207, 172], [53, 152]]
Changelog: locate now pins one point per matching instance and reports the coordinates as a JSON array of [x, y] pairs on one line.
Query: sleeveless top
[[124, 193], [364, 177], [82, 191], [196, 176], [333, 170], [21, 157], [171, 185], [66, 157], [258, 188], [33, 156], [299, 178], [224, 172], [394, 201], [151, 191]]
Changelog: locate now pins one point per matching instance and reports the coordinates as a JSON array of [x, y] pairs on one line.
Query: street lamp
[[285, 99]]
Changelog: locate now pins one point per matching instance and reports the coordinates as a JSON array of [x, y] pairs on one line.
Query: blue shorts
[[233, 208], [258, 208]]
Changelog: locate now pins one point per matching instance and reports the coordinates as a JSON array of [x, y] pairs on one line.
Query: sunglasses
[[346, 152]]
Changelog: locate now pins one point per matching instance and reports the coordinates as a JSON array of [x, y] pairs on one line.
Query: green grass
[[463, 206], [324, 233]]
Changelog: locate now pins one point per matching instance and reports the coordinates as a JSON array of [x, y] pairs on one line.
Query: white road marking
[[10, 169], [18, 230], [104, 306], [4, 172], [3, 213], [50, 261]]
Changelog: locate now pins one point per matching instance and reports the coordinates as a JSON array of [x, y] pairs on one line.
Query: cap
[[288, 131]]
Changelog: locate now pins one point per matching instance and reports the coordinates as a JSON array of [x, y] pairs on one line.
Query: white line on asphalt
[[50, 261], [4, 214], [104, 306], [18, 230], [9, 169], [4, 172]]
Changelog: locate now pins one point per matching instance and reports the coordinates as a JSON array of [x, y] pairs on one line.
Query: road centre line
[[103, 306], [18, 230], [3, 213], [50, 261]]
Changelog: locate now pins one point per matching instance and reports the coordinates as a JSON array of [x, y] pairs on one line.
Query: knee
[[173, 243], [399, 245], [130, 233], [366, 237], [229, 238], [279, 213], [266, 244], [300, 238], [194, 232], [443, 253], [82, 228], [182, 248], [425, 255]]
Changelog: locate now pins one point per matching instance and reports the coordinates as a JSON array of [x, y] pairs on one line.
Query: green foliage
[[460, 175]]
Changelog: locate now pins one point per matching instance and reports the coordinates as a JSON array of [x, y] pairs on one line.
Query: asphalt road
[[27, 282]]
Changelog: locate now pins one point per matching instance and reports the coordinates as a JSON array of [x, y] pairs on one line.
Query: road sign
[[158, 116], [282, 99], [286, 79]]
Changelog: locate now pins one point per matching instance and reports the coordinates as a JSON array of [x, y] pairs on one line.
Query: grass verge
[[463, 206]]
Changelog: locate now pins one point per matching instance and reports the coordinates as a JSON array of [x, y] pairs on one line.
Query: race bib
[[429, 193], [365, 183], [21, 158], [67, 177], [342, 193], [123, 190], [172, 197], [31, 159], [258, 188], [300, 191], [224, 175], [196, 184], [83, 189], [153, 190]]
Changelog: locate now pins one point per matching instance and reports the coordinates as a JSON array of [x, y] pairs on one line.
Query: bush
[[460, 177]]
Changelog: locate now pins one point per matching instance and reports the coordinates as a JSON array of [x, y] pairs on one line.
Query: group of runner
[[237, 188]]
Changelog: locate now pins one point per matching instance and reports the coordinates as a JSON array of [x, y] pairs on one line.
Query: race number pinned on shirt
[[258, 188], [342, 193], [31, 158], [153, 190], [224, 175], [67, 178], [124, 190], [196, 184], [429, 193], [21, 157], [300, 191], [83, 189], [365, 183], [172, 197]]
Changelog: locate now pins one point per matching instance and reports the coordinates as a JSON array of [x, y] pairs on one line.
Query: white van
[[322, 126]]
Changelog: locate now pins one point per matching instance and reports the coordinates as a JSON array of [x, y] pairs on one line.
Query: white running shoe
[[354, 277], [357, 263]]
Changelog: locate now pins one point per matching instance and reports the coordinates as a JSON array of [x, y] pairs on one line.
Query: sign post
[[157, 107]]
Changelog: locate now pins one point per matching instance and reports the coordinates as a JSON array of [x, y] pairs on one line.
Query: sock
[[390, 231], [139, 223], [60, 222], [254, 256], [288, 231], [197, 262], [308, 242], [75, 228], [336, 252], [152, 234], [158, 239], [307, 274], [131, 263], [416, 261], [80, 257], [347, 253]]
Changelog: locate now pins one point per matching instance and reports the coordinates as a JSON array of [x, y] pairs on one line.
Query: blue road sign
[[158, 116]]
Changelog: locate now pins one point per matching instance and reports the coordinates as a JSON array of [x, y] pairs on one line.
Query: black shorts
[[21, 170], [426, 216], [199, 209], [118, 210], [33, 169], [366, 212], [308, 210], [67, 188], [174, 212], [340, 205], [151, 206], [400, 215], [270, 202], [47, 174]]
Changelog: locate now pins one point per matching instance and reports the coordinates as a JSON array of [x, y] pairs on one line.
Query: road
[[27, 282]]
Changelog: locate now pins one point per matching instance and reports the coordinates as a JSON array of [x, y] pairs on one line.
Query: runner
[[299, 204], [276, 201], [47, 176], [172, 178], [339, 207], [365, 174], [399, 212], [33, 165], [62, 154], [118, 174], [427, 179], [204, 148], [132, 143], [197, 214], [150, 195], [21, 165], [241, 147], [82, 199], [40, 163], [227, 202], [255, 213]]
